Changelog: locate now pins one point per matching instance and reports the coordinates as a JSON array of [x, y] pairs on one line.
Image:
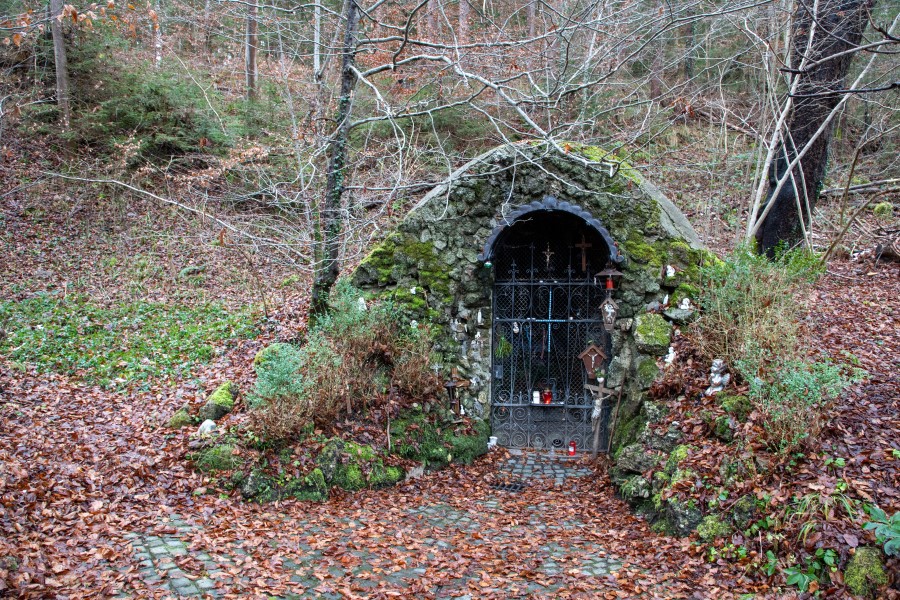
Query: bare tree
[[826, 36], [59, 59]]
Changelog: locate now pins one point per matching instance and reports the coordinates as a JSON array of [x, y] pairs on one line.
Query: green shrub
[[353, 359], [791, 402], [750, 312]]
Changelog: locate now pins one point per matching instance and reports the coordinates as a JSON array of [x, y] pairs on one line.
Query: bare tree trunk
[[317, 40], [327, 263], [465, 12], [62, 69], [839, 25], [252, 46], [532, 17], [157, 36]]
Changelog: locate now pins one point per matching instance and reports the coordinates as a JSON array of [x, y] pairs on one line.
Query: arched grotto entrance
[[546, 311]]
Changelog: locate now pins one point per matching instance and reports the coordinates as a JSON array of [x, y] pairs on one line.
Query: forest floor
[[97, 499]]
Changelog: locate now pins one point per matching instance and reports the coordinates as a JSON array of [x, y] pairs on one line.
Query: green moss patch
[[652, 333], [217, 458], [180, 419], [865, 572], [712, 527]]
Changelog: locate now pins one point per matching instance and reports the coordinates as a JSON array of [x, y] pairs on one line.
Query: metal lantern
[[609, 310]]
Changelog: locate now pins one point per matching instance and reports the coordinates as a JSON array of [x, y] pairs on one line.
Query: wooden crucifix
[[583, 246]]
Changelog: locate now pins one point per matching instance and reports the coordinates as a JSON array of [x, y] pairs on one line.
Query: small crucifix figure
[[583, 246], [549, 254]]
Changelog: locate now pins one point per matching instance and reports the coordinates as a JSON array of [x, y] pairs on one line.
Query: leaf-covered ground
[[87, 473], [92, 483]]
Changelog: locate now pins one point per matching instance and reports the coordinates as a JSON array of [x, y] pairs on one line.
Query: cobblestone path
[[177, 564]]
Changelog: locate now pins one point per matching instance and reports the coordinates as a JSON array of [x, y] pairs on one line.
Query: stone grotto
[[554, 278]]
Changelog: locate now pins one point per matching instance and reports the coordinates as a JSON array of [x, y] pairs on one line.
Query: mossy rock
[[466, 448], [683, 291], [647, 372], [683, 517], [635, 488], [349, 477], [329, 458], [382, 476], [723, 428], [743, 511], [738, 406], [311, 487], [217, 458], [712, 527], [865, 572], [219, 403], [676, 457], [652, 333], [180, 419]]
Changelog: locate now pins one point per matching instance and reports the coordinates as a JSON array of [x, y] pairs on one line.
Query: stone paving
[[160, 556]]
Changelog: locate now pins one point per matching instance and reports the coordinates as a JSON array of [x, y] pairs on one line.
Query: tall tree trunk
[[465, 11], [836, 27], [327, 259], [252, 46], [157, 36], [317, 40], [59, 59]]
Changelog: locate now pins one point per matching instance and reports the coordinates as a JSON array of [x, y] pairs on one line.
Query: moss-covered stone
[[743, 511], [635, 488], [384, 476], [349, 477], [636, 459], [683, 291], [647, 371], [329, 458], [723, 428], [865, 572], [219, 403], [884, 210], [737, 406], [676, 457], [683, 517], [466, 448], [217, 458], [652, 333], [712, 527], [181, 418]]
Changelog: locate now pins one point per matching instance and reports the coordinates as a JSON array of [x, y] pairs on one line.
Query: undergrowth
[[356, 357], [118, 344], [752, 310]]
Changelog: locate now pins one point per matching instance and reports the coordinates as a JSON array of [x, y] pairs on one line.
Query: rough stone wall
[[430, 263]]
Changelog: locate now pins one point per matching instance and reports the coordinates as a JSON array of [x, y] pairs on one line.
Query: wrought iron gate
[[546, 311]]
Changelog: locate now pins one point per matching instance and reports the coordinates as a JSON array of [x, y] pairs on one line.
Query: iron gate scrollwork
[[546, 310]]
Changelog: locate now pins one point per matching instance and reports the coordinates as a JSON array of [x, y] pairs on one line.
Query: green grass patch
[[119, 344]]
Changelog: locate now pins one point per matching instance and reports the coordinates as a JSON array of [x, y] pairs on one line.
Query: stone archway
[[545, 312]]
